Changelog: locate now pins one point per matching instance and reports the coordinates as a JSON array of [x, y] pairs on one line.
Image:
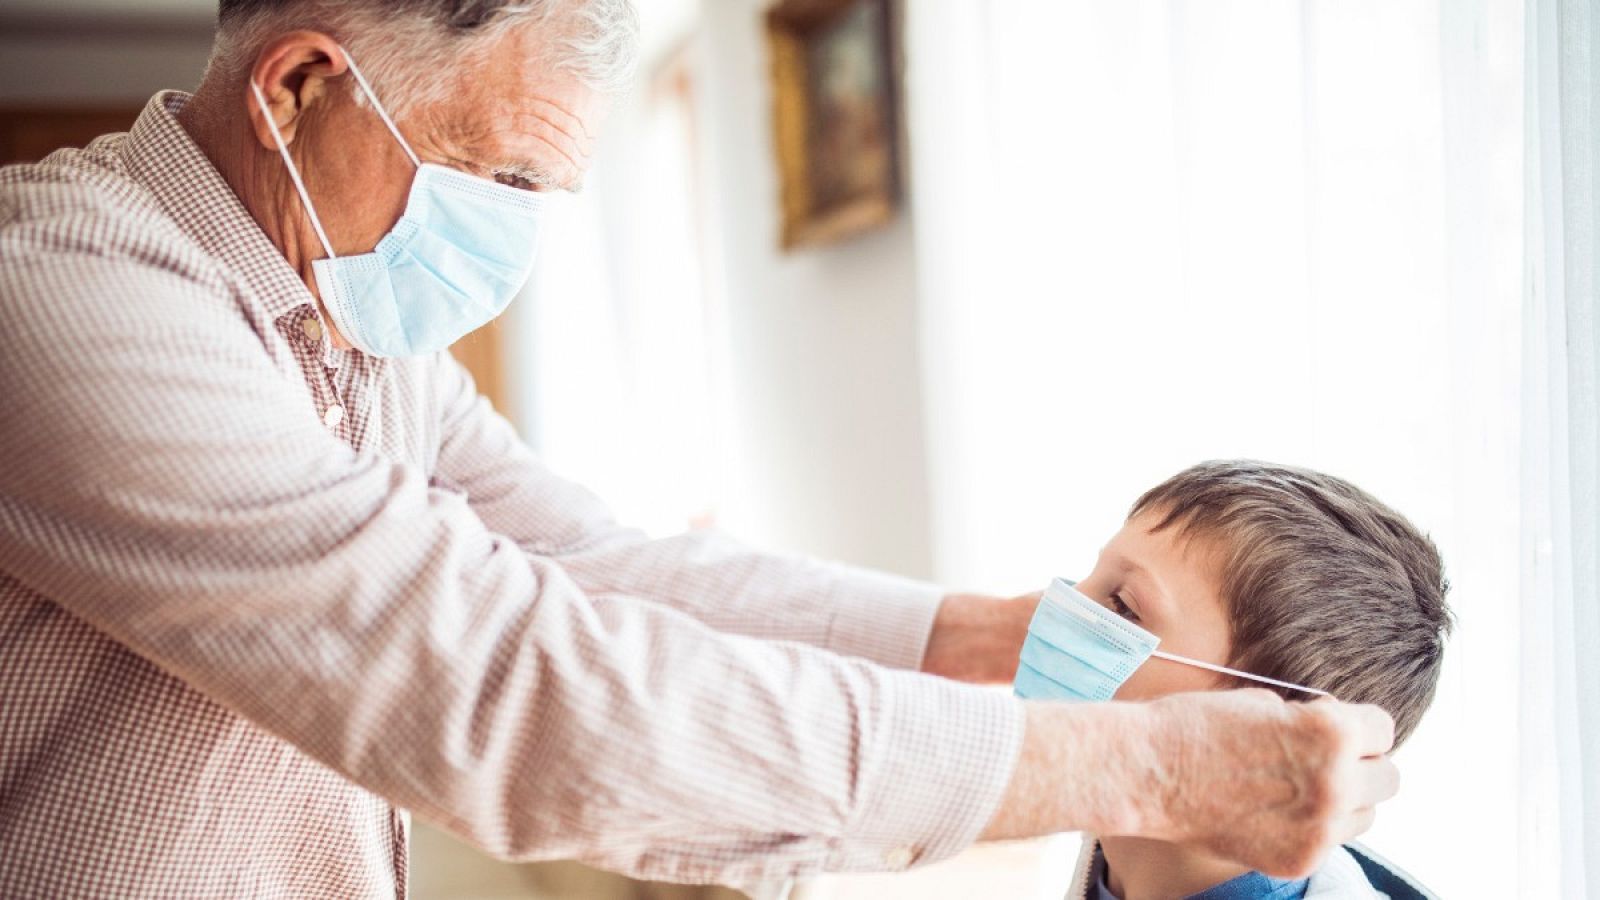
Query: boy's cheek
[[1144, 684], [1158, 678]]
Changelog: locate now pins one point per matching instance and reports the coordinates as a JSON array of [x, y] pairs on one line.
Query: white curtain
[[1559, 823], [1152, 232], [619, 348], [1352, 234]]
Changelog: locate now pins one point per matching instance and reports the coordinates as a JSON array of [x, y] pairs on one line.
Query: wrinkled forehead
[[514, 111]]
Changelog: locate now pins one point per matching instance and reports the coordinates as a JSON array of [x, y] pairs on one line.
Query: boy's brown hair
[[1325, 586]]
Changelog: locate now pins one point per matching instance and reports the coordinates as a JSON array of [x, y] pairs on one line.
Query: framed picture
[[834, 110]]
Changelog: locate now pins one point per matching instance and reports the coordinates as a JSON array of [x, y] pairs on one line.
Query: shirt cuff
[[938, 775], [882, 618]]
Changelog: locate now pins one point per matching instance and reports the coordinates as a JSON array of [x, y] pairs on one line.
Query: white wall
[[826, 450]]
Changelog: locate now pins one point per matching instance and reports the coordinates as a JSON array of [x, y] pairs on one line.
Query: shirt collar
[[162, 157], [1249, 886]]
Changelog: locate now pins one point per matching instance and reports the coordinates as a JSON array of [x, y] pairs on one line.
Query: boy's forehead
[[1179, 564]]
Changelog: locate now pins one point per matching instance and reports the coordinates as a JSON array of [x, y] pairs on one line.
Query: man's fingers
[[1377, 780], [1371, 728], [1274, 785]]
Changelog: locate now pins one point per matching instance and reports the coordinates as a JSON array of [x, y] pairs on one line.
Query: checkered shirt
[[258, 595]]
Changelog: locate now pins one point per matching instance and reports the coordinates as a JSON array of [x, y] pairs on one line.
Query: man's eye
[[1122, 609]]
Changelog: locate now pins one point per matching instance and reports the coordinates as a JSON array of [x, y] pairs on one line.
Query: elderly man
[[272, 572]]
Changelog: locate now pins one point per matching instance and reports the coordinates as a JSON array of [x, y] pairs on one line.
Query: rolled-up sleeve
[[704, 574], [170, 487]]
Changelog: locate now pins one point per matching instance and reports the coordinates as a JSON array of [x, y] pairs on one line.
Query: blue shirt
[[1249, 886]]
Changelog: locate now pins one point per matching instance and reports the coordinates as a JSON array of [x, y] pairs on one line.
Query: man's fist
[[1240, 773], [977, 638], [1270, 784]]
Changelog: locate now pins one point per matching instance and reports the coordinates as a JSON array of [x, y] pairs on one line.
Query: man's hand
[[1273, 785], [1242, 774], [978, 639]]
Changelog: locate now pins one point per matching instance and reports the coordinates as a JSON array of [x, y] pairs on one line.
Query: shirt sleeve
[[704, 574], [168, 485]]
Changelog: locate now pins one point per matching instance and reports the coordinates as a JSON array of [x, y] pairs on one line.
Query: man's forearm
[[1077, 772], [1241, 774], [978, 639]]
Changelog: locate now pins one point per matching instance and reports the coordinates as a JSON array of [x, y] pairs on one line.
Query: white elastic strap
[[382, 113], [294, 173], [1173, 657]]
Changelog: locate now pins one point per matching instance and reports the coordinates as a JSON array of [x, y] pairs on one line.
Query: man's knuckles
[[1327, 725], [1311, 752]]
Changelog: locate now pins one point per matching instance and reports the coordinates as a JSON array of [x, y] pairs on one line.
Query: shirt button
[[312, 329], [900, 858], [333, 416]]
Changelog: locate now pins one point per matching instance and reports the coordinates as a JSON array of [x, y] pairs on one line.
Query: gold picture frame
[[836, 117]]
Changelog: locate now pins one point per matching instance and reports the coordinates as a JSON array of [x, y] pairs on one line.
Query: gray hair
[[403, 45]]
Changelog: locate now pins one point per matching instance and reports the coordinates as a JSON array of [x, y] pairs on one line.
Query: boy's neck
[[1141, 869]]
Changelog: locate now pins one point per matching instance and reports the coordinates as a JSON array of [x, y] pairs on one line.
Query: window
[[1152, 233]]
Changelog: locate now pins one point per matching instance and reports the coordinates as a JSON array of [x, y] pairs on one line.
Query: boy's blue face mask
[[1080, 651], [461, 251]]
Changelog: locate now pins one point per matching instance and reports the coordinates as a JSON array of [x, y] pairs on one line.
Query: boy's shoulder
[[1383, 877], [1349, 873], [1341, 876]]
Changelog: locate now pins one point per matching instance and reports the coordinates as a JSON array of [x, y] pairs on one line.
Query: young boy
[[1293, 576]]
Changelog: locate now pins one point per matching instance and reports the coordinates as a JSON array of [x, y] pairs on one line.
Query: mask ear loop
[[294, 173], [1184, 660], [1173, 657], [382, 113]]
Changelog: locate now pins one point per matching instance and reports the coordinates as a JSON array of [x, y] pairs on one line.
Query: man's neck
[[223, 135], [259, 180], [1141, 869]]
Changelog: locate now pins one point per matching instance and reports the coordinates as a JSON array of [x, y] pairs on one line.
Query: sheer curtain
[[619, 334], [1559, 822], [1152, 232]]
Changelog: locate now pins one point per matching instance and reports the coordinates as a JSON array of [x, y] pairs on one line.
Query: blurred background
[[941, 286]]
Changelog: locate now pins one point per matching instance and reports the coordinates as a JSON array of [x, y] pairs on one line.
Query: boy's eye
[[1122, 609]]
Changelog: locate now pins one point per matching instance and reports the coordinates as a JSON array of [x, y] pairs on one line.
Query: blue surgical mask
[[1079, 651], [461, 251]]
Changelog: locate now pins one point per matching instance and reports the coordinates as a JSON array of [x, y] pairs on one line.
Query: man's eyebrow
[[534, 173]]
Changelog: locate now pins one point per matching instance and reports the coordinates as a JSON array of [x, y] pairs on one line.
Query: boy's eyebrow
[[1159, 591]]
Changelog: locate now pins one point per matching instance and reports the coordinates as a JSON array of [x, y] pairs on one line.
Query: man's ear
[[293, 72]]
